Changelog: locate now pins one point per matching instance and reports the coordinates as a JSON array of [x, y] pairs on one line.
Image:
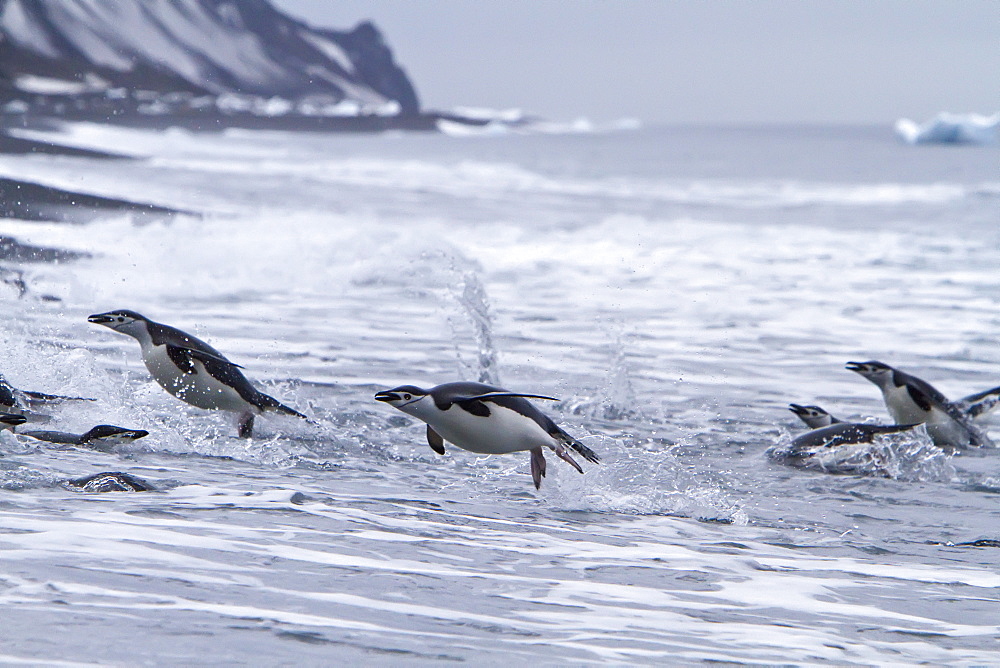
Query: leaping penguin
[[100, 436], [913, 400], [192, 370], [488, 421]]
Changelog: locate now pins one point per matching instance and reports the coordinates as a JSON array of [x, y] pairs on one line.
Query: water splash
[[640, 481], [470, 294], [910, 457], [617, 399]]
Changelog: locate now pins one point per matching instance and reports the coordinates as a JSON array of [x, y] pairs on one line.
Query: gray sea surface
[[676, 288]]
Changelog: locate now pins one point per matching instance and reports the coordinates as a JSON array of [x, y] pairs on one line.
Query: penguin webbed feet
[[245, 425], [537, 466]]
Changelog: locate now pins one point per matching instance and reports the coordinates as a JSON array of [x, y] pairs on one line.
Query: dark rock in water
[[120, 55], [111, 481], [25, 200]]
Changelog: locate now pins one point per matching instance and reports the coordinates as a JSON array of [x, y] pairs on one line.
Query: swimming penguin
[[192, 370], [13, 400], [814, 416], [912, 400], [111, 481], [488, 421], [101, 435], [843, 433], [831, 449], [975, 406], [11, 420]]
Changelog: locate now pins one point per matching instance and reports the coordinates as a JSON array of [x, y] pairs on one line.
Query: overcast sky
[[683, 61]]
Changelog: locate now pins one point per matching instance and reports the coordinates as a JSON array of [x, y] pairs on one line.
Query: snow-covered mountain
[[193, 52]]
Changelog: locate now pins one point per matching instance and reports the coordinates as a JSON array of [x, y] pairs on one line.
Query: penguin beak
[[795, 408], [100, 319], [856, 367], [387, 396], [135, 434]]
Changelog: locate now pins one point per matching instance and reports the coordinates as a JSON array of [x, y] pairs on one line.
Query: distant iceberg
[[949, 128], [479, 121]]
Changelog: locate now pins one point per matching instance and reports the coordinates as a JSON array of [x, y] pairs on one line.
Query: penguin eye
[[407, 397], [121, 319]]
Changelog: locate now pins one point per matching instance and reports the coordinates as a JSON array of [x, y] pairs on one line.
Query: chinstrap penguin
[[192, 370], [813, 416], [912, 400], [101, 435], [842, 447], [842, 433], [487, 420], [13, 400]]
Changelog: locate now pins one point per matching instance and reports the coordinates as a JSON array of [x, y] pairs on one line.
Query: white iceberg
[[949, 128]]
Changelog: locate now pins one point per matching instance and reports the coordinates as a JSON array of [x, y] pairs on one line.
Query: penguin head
[[813, 416], [403, 397], [122, 320], [108, 433], [877, 372]]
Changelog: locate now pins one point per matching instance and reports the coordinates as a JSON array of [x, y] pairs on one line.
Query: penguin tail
[[586, 452], [268, 403]]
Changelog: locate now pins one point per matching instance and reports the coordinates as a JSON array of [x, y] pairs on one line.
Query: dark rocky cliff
[[118, 57]]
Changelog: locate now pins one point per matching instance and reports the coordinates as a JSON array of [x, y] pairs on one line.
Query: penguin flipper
[[920, 398], [222, 370], [474, 406], [980, 404], [183, 356], [435, 440], [497, 395]]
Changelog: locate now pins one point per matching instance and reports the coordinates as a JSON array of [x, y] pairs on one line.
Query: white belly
[[503, 431], [198, 389], [941, 427], [901, 406]]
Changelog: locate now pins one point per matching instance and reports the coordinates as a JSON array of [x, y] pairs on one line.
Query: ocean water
[[675, 288]]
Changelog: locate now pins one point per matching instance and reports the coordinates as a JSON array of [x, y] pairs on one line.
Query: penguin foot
[[246, 425], [537, 466]]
